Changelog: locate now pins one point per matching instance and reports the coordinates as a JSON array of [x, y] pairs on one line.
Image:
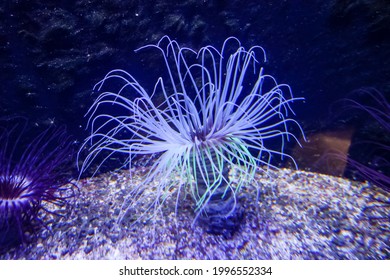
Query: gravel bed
[[295, 215]]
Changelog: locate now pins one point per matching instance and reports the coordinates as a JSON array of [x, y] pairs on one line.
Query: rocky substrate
[[294, 215]]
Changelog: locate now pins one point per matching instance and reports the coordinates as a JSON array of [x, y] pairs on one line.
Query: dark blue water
[[53, 52]]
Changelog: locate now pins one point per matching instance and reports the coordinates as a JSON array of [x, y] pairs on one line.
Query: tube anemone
[[31, 178], [376, 107], [219, 112]]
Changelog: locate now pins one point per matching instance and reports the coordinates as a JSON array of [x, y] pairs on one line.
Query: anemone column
[[221, 213]]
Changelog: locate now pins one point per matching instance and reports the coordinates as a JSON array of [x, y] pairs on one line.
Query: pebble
[[88, 249], [339, 241]]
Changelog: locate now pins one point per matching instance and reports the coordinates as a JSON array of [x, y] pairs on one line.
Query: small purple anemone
[[31, 179]]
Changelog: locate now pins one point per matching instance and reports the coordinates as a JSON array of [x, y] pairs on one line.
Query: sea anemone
[[372, 109], [219, 112], [31, 178]]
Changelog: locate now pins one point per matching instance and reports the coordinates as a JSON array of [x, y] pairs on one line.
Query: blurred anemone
[[32, 178], [370, 160], [359, 148], [219, 112]]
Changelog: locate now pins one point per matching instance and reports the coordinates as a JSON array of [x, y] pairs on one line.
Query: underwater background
[[334, 54], [53, 52]]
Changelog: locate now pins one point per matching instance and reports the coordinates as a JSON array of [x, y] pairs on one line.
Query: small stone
[[64, 252], [88, 249], [83, 233], [339, 241]]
